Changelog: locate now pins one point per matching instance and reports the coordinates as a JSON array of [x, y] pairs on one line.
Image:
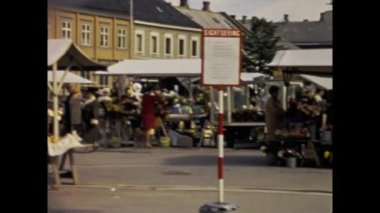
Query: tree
[[259, 46]]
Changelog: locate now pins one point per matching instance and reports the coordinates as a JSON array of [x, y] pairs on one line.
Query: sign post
[[221, 66]]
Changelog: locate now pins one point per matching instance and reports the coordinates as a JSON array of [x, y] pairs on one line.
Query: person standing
[[274, 118], [148, 114], [91, 119], [73, 110]]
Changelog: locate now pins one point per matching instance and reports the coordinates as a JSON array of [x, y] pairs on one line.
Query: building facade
[[103, 30]]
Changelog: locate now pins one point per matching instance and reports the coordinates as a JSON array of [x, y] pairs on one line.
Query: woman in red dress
[[148, 114]]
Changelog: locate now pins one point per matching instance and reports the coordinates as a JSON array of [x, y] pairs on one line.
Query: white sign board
[[221, 64]]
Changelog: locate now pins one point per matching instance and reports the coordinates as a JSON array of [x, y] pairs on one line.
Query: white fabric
[[65, 143], [302, 57], [65, 53], [325, 82], [70, 78], [156, 68], [57, 48], [250, 76]]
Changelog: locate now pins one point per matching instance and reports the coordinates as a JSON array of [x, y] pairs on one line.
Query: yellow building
[[102, 30]]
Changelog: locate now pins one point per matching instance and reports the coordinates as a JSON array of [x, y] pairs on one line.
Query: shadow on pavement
[[139, 151], [209, 160], [74, 211]]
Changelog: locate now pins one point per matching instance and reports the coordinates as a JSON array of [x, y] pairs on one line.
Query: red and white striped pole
[[221, 146]]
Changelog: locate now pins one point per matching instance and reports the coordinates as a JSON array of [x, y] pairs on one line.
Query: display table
[[64, 149], [243, 134]]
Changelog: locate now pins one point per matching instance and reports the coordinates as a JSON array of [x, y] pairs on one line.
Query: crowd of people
[[104, 114], [138, 114]]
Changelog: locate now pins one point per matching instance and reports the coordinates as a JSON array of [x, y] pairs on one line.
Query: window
[[159, 9], [194, 46], [168, 44], [104, 36], [86, 34], [86, 75], [66, 29], [154, 43], [139, 41], [104, 80], [121, 35], [168, 48], [216, 20], [181, 45]]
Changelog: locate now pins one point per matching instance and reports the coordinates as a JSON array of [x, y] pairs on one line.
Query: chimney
[[183, 3], [244, 19], [233, 17], [206, 6], [286, 18]]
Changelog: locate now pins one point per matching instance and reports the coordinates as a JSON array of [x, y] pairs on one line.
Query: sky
[[272, 10]]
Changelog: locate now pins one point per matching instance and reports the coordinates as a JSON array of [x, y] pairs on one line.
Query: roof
[[207, 19], [245, 77], [156, 68], [66, 54], [325, 82], [282, 44], [235, 22], [304, 32], [249, 77], [156, 11], [307, 32], [304, 60], [69, 78]]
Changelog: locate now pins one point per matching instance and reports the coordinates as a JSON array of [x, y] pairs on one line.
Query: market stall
[[244, 123], [69, 78], [299, 140], [159, 68], [304, 61], [63, 54]]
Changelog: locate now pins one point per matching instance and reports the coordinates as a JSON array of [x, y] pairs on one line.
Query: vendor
[[274, 118]]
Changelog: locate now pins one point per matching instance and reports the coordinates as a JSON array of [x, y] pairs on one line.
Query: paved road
[[181, 180]]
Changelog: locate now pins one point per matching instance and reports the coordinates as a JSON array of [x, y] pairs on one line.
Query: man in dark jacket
[[90, 115], [274, 119], [73, 110]]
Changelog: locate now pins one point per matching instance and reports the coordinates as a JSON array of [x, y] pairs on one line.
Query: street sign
[[221, 64]]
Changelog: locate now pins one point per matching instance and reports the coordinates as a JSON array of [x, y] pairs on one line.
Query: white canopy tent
[[67, 54], [325, 82], [156, 68], [70, 77], [164, 68], [168, 68], [64, 54], [249, 77], [305, 61]]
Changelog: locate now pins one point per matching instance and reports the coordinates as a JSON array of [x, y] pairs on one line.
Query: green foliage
[[259, 46]]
